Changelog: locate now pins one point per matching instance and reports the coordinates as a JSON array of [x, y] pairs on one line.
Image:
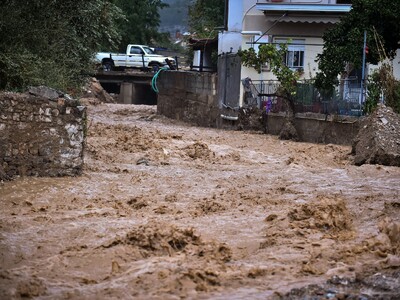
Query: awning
[[290, 7], [298, 18]]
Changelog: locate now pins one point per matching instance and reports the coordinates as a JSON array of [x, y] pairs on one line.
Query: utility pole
[[363, 69]]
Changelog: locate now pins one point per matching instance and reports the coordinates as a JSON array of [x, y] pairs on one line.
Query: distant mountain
[[175, 17]]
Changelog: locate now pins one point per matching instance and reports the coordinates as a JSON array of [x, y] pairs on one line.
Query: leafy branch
[[274, 57]]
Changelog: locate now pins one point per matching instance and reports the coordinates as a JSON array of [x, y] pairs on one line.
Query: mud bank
[[165, 210]]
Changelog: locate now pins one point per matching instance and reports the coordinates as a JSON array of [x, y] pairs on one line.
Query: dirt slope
[[167, 211]]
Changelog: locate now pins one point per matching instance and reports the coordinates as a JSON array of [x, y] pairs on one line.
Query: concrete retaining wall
[[316, 128], [189, 96], [41, 136], [192, 97]]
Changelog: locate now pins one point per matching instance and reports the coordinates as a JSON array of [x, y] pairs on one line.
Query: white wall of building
[[395, 64], [229, 42], [235, 9]]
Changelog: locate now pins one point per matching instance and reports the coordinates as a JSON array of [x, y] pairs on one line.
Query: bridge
[[133, 86]]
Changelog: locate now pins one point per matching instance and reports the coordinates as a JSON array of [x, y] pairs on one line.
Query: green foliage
[[382, 82], [205, 16], [344, 43], [374, 93], [273, 56], [141, 22], [52, 42]]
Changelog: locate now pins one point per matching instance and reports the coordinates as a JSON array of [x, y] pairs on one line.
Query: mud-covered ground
[[165, 210]]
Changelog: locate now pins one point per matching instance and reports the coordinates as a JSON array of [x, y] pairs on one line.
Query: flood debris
[[378, 141]]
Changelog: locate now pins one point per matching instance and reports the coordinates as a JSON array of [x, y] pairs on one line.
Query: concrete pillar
[[126, 91]]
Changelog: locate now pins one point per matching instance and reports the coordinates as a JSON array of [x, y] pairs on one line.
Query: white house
[[299, 22], [302, 23]]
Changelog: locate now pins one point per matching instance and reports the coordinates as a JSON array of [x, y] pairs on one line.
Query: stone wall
[[189, 96], [41, 135]]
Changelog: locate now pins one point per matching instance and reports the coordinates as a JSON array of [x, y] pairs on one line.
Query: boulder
[[378, 140], [45, 92], [94, 92]]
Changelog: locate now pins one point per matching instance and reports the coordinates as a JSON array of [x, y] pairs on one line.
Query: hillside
[[175, 16]]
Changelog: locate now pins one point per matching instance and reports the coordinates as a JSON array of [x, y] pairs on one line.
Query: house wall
[[41, 136], [311, 33], [395, 64], [190, 97], [230, 40], [235, 10]]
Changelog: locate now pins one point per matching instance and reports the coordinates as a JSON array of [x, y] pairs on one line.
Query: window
[[136, 50], [148, 50], [294, 57]]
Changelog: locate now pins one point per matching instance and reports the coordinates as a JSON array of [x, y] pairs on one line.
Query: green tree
[[141, 22], [52, 43], [273, 56], [343, 44], [205, 16]]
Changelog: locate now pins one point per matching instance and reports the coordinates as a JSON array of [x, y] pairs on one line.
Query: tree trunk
[[288, 131]]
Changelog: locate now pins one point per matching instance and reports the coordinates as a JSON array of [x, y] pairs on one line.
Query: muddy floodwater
[[165, 210]]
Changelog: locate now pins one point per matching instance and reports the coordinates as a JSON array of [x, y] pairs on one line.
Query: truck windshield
[[148, 50]]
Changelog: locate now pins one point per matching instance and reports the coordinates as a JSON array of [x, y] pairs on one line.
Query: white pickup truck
[[137, 56]]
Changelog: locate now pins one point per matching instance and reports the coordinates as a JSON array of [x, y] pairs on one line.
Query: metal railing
[[345, 99]]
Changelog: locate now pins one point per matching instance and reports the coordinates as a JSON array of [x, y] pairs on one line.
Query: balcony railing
[[343, 100]]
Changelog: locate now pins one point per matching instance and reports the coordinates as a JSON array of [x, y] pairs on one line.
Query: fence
[[344, 100]]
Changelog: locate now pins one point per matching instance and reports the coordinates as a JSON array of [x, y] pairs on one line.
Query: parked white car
[[137, 56]]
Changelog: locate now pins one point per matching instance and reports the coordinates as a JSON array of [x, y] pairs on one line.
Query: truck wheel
[[108, 66], [155, 66]]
